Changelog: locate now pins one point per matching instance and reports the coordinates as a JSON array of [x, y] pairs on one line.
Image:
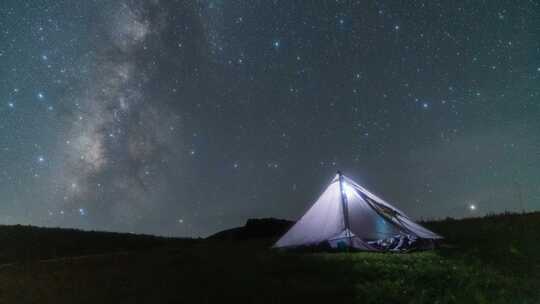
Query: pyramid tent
[[348, 215]]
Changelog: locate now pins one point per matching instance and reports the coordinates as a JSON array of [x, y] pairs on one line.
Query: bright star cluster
[[186, 117]]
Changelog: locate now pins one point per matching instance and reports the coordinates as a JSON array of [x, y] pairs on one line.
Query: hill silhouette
[[255, 228], [23, 243]]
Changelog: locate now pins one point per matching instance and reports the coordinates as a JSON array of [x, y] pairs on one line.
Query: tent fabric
[[347, 214], [418, 230], [365, 221], [348, 239], [400, 218], [371, 195], [321, 222]]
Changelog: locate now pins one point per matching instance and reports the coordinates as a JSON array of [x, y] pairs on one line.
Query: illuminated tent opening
[[346, 215]]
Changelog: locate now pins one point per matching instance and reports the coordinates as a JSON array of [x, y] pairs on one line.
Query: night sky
[[186, 117]]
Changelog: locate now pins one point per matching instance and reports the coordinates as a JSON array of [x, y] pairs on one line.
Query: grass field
[[489, 260]]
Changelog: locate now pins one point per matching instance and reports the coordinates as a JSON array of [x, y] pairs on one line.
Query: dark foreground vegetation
[[28, 243], [490, 260]]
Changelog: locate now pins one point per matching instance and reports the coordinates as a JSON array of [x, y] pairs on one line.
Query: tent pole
[[345, 209]]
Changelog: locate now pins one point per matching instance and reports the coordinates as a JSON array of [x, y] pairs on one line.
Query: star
[[148, 111]]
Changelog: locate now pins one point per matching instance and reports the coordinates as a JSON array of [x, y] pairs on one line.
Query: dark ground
[[489, 260]]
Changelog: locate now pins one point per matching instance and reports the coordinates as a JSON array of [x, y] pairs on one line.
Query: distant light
[[396, 27], [276, 44], [425, 105], [472, 207], [41, 159], [40, 95], [181, 221], [11, 105], [82, 211]]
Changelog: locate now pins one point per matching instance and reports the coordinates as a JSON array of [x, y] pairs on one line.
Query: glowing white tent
[[347, 215]]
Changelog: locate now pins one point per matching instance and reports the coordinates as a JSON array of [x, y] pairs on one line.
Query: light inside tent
[[348, 189]]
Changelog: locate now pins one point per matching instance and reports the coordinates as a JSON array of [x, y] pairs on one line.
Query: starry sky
[[183, 118]]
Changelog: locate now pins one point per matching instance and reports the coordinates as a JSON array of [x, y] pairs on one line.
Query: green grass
[[489, 260]]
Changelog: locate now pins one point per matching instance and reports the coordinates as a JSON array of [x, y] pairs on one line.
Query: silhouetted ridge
[[255, 228], [36, 243]]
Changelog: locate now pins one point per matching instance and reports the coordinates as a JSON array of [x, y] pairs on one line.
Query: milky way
[[186, 117], [123, 143]]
